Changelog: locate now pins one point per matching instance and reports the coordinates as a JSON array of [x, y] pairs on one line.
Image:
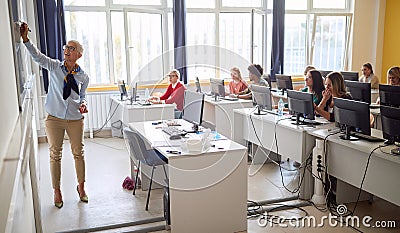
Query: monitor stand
[[347, 135], [259, 111]]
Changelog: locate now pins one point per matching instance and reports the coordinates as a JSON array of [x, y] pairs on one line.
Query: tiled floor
[[107, 165]]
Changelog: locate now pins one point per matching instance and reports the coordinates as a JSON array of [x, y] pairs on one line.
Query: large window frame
[[165, 10]]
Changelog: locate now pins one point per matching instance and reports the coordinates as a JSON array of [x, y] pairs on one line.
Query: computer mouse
[[175, 137]]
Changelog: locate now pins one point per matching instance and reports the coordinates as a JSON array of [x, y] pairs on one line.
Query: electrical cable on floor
[[108, 118]]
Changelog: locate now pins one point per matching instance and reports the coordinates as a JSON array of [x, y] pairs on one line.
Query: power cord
[[108, 118]]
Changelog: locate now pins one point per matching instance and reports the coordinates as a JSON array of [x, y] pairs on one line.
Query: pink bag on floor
[[128, 183]]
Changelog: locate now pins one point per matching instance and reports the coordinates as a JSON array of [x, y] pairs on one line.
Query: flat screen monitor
[[262, 97], [284, 82], [324, 73], [359, 91], [301, 103], [353, 116], [122, 89], [133, 92], [389, 95], [350, 75], [217, 87], [390, 117], [193, 108]]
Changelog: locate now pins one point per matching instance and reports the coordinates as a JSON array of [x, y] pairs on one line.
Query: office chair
[[137, 150]]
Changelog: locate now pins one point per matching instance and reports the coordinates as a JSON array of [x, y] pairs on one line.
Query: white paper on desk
[[172, 143]]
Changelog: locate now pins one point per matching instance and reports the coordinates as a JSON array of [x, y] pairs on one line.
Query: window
[[315, 34], [120, 45]]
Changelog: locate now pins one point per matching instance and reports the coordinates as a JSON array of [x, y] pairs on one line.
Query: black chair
[[137, 151]]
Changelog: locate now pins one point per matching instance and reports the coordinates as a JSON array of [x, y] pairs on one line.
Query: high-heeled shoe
[[59, 204], [82, 198]]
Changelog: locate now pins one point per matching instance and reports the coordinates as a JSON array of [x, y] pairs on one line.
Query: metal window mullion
[[128, 68], [110, 48]]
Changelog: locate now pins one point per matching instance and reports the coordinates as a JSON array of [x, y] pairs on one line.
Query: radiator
[[99, 111]]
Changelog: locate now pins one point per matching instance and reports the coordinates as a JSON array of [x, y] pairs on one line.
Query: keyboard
[[230, 98], [368, 138], [143, 103], [173, 131]]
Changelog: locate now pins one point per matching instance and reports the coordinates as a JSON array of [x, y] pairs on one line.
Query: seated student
[[237, 84], [335, 87], [308, 68], [393, 78], [255, 75], [174, 94], [368, 76], [314, 85]]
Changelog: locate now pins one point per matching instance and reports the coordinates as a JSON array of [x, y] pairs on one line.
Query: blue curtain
[[278, 38], [179, 18], [51, 20]]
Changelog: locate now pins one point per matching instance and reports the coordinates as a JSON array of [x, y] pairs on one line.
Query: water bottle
[[147, 93], [281, 105]]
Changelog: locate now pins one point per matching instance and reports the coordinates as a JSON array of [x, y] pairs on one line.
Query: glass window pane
[[330, 39], [84, 2], [145, 47], [258, 44], [241, 3], [296, 4], [336, 4], [200, 36], [235, 33], [200, 4], [79, 26], [118, 46], [137, 2], [295, 43]]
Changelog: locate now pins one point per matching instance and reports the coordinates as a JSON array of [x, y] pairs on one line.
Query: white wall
[[8, 88], [368, 28]]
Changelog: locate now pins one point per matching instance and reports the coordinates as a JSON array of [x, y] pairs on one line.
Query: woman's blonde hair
[[394, 71], [237, 70], [338, 85]]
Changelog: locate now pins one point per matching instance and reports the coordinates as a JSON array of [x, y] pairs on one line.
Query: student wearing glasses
[[174, 94], [237, 84], [65, 104], [368, 76]]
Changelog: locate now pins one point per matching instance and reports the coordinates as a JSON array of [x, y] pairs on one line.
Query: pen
[[174, 152]]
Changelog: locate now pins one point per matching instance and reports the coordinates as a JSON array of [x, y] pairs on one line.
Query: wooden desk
[[220, 113], [208, 191], [347, 160]]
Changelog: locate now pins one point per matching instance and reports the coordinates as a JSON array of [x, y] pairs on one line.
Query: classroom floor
[[107, 165]]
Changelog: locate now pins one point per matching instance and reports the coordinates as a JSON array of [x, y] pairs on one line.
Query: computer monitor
[[262, 97], [389, 95], [193, 108], [324, 73], [350, 75], [133, 92], [284, 82], [390, 117], [217, 87], [301, 104], [353, 116], [198, 87], [359, 91], [122, 89]]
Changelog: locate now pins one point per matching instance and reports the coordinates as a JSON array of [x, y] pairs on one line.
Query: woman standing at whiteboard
[[65, 104]]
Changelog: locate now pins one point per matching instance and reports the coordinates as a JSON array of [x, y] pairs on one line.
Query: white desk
[[347, 160], [208, 192], [220, 113], [293, 141], [128, 113]]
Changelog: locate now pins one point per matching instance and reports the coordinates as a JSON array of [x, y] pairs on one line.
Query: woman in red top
[[237, 84], [174, 94]]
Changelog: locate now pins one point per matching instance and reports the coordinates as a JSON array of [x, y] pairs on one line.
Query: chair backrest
[[135, 144]]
